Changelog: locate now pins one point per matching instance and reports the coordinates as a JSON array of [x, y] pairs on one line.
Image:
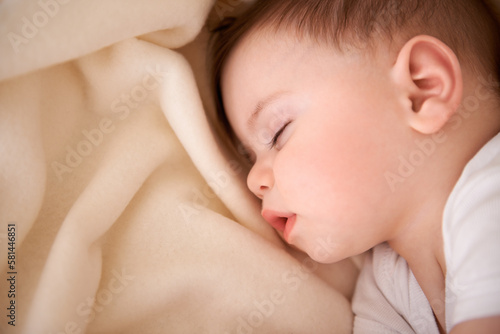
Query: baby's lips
[[277, 220]]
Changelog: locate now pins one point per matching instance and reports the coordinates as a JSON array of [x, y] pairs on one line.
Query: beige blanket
[[120, 211]]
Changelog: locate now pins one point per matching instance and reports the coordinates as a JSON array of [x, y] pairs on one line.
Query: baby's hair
[[468, 27]]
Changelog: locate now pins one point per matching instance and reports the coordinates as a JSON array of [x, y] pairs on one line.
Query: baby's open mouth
[[282, 222]]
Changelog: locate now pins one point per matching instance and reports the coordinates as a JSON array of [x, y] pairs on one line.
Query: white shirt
[[388, 298]]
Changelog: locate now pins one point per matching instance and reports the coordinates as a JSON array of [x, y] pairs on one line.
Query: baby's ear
[[429, 77]]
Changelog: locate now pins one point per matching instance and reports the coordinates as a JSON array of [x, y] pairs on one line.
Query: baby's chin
[[319, 251]]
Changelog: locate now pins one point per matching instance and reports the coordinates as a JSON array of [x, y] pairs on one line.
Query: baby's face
[[319, 127]]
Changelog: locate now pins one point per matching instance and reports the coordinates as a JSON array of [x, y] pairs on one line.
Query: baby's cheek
[[303, 177], [318, 171]]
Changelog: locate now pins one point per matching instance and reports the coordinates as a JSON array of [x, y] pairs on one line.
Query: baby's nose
[[260, 179]]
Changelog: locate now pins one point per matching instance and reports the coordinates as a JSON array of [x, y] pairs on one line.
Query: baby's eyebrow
[[261, 105]]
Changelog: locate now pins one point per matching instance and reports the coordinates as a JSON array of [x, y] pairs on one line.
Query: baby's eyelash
[[277, 135]]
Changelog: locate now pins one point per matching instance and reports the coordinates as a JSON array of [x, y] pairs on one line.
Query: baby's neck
[[422, 248]]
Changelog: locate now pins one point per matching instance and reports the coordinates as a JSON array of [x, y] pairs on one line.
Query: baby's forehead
[[269, 49], [280, 45]]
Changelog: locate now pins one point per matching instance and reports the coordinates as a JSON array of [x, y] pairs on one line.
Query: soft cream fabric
[[129, 215]]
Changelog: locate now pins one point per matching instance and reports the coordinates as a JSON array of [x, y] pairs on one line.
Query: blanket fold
[[121, 210]]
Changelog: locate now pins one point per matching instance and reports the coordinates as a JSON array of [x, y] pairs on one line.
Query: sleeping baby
[[374, 125]]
